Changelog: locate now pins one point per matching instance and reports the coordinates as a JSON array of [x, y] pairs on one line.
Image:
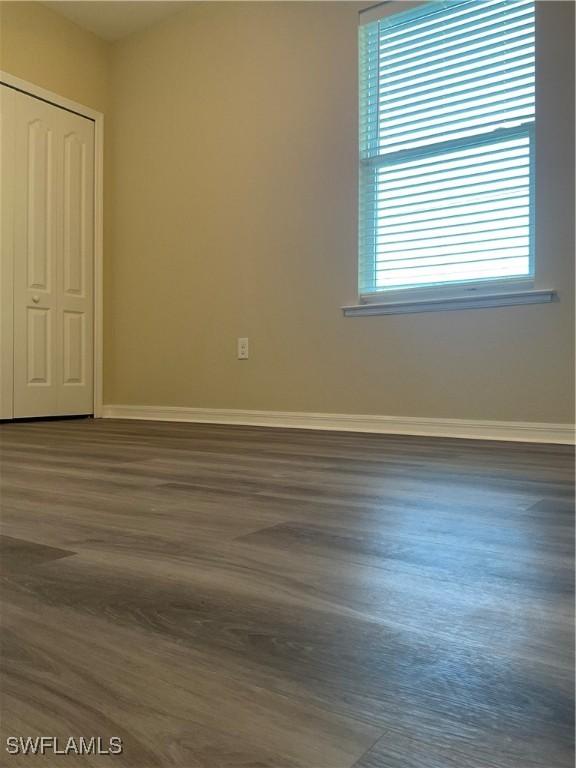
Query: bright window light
[[446, 145]]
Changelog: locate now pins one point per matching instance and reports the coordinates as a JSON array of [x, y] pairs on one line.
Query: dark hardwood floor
[[233, 597]]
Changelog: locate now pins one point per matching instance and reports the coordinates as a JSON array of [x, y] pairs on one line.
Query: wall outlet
[[242, 349]]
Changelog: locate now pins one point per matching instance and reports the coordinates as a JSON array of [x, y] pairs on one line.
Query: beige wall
[[232, 212], [235, 215], [44, 48]]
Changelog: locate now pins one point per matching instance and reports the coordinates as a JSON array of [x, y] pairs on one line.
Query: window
[[446, 147]]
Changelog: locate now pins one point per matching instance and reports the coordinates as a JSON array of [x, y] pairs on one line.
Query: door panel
[[39, 346], [75, 219], [40, 206], [74, 348]]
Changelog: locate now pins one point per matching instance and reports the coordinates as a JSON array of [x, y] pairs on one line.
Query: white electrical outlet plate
[[242, 349]]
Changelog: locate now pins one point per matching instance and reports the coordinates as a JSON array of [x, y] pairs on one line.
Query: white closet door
[[53, 260]]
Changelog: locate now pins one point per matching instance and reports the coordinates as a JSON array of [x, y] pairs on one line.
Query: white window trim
[[502, 292], [472, 296]]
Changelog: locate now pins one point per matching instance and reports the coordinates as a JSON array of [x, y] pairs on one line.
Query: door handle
[[35, 299]]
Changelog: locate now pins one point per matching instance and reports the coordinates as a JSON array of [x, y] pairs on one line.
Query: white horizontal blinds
[[458, 215], [447, 105]]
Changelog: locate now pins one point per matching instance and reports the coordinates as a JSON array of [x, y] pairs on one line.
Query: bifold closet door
[[52, 203]]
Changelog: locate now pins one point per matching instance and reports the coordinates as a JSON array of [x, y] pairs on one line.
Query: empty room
[[287, 384]]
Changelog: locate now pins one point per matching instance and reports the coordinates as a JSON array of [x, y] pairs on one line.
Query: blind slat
[[448, 205], [464, 217], [460, 248], [455, 193], [442, 261], [463, 47], [483, 17], [521, 56]]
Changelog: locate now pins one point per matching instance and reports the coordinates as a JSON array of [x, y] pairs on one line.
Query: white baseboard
[[519, 431]]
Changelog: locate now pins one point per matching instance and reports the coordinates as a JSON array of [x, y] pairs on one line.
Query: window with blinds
[[446, 145]]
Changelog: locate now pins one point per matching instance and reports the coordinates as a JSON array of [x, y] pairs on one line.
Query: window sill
[[476, 301]]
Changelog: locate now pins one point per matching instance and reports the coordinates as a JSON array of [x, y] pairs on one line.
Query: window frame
[[471, 291]]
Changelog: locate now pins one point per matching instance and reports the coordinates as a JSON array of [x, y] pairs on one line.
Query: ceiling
[[114, 19]]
